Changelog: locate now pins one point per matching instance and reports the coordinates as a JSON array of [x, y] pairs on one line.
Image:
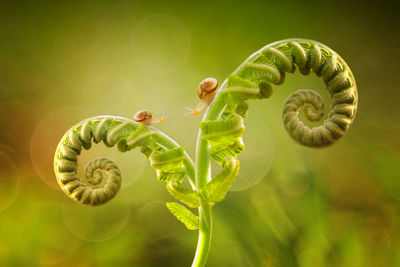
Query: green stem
[[205, 233], [203, 176]]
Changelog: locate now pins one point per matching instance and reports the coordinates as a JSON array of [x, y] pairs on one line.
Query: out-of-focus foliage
[[64, 61]]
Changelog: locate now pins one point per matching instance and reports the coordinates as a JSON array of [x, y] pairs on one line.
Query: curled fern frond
[[101, 183], [267, 67], [102, 178], [223, 126], [220, 136]]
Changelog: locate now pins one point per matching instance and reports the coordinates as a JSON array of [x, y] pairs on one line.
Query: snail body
[[145, 117], [206, 92]]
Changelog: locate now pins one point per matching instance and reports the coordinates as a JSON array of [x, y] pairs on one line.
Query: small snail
[[145, 117], [206, 92]]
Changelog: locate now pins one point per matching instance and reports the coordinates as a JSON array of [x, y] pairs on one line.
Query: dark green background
[[64, 61]]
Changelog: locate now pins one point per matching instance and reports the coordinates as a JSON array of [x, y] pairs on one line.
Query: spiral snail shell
[[207, 88], [145, 117], [206, 92]]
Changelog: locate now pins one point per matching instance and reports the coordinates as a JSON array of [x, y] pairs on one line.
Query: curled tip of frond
[[102, 178], [255, 77], [101, 183]]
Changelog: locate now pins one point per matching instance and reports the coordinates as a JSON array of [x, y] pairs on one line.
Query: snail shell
[[142, 116], [207, 87], [145, 117]]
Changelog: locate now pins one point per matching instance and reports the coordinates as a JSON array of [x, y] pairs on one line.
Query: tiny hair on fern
[[220, 135]]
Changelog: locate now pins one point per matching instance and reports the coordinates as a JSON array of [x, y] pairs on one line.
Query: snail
[[145, 117], [206, 92]]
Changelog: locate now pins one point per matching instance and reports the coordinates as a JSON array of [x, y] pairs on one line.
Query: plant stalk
[[203, 176], [205, 233]]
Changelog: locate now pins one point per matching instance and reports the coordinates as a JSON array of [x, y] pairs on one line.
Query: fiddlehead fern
[[220, 135], [267, 67], [102, 178], [222, 128]]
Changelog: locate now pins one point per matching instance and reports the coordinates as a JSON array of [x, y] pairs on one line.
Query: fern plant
[[220, 134]]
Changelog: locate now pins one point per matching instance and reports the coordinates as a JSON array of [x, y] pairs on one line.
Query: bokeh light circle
[[160, 44], [50, 251], [96, 224], [377, 122], [22, 77], [311, 257], [256, 160], [295, 179], [48, 134], [46, 137], [9, 181], [156, 221], [379, 94]]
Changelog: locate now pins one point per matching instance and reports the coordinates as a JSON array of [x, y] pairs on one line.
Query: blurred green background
[[64, 61]]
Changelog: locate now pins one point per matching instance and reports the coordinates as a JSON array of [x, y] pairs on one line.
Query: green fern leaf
[[224, 136], [184, 215], [169, 164], [185, 195], [215, 191]]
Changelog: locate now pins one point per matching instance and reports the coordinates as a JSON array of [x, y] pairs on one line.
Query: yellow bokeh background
[[64, 61]]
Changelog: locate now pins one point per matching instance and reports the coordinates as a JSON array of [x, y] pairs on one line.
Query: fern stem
[[205, 233], [205, 230], [203, 175]]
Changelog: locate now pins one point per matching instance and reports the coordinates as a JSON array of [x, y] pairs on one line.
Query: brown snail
[[206, 92], [145, 117]]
